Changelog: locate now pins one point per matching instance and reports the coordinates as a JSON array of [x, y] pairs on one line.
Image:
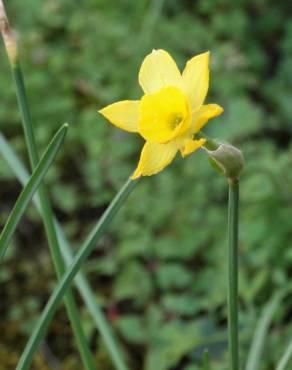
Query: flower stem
[[67, 278], [206, 360], [85, 290], [210, 144], [233, 272], [229, 161]]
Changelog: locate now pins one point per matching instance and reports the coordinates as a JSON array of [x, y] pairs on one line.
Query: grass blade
[[261, 331], [47, 214], [82, 284], [30, 188], [284, 362], [64, 283], [258, 342]]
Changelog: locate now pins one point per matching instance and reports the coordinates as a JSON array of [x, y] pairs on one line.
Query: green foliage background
[[160, 271]]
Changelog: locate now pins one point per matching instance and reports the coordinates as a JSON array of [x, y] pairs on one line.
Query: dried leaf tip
[[7, 34]]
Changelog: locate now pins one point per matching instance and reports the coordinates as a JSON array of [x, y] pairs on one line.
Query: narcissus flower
[[170, 112]]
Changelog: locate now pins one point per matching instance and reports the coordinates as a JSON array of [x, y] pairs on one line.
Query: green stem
[[85, 290], [48, 219], [206, 359], [233, 273], [64, 283], [210, 144], [42, 200]]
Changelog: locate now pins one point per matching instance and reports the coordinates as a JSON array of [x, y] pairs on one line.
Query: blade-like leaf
[[284, 362], [64, 283], [46, 209], [262, 327], [82, 284], [30, 188], [258, 342]]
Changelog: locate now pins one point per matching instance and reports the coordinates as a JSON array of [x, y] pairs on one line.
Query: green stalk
[[228, 161], [233, 272], [206, 359], [82, 284], [12, 53], [59, 291], [210, 144]]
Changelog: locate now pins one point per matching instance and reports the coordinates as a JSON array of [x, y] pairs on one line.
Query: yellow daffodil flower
[[170, 112]]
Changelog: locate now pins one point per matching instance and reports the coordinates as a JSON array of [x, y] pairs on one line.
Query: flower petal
[[155, 157], [191, 145], [202, 116], [196, 79], [158, 70], [123, 114]]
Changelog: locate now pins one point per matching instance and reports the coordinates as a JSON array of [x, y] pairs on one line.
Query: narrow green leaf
[[64, 283], [284, 362], [47, 214], [83, 286], [260, 335], [30, 188], [262, 327]]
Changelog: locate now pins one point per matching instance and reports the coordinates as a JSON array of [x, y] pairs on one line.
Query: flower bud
[[227, 159]]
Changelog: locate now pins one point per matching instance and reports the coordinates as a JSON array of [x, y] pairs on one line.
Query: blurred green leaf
[[80, 56]]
